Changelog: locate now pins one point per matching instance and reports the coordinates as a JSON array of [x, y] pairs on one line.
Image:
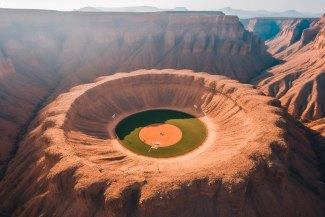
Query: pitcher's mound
[[164, 134]]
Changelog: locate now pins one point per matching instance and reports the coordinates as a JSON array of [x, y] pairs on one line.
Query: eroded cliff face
[[299, 82], [212, 43], [252, 163], [292, 31], [27, 74], [47, 52], [306, 36], [320, 37], [281, 33]]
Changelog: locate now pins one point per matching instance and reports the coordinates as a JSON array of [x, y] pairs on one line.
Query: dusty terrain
[[74, 162], [165, 134]]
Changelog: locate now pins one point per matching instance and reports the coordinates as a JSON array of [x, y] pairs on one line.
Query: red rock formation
[[308, 36], [256, 161], [38, 49], [299, 82], [320, 37]]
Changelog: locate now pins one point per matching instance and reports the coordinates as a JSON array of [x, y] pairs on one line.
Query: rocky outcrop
[[45, 52], [308, 36], [211, 43], [299, 82], [252, 163], [300, 90], [320, 37]]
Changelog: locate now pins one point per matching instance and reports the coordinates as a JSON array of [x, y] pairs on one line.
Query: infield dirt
[[164, 134]]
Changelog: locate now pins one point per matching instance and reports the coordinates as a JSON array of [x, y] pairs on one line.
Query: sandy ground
[[164, 134]]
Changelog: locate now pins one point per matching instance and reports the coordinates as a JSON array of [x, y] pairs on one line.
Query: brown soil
[[165, 134]]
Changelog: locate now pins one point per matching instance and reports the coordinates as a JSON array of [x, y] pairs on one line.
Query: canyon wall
[[47, 52], [281, 33], [299, 83]]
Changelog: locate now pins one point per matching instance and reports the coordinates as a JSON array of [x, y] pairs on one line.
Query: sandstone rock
[[298, 82]]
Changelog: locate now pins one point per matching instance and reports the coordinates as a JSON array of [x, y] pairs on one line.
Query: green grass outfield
[[193, 130]]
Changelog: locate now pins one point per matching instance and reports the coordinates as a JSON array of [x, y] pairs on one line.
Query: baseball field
[[161, 133]]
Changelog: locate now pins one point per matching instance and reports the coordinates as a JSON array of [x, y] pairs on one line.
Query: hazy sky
[[273, 5]]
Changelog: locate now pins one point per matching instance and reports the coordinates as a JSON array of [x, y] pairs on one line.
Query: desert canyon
[[261, 82]]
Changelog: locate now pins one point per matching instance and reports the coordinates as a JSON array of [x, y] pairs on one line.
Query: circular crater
[[227, 119], [161, 133], [235, 133], [80, 134]]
